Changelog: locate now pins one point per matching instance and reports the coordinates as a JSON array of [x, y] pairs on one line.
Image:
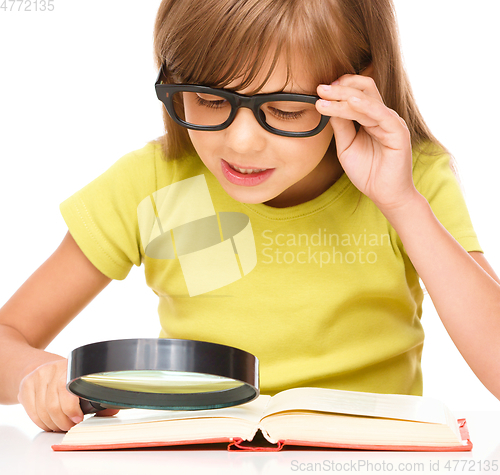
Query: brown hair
[[215, 41]]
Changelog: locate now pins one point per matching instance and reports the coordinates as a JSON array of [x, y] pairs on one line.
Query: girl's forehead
[[286, 76]]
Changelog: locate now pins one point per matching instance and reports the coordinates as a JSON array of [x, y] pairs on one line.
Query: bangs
[[216, 42]]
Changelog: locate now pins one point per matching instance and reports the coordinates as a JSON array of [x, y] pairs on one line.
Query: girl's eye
[[208, 100], [286, 115]]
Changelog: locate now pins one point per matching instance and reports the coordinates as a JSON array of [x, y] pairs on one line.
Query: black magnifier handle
[[90, 407]]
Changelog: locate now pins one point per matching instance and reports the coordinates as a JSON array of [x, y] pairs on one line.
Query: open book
[[302, 416]]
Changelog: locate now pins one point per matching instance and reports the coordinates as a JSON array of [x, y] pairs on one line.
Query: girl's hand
[[378, 158], [48, 403]]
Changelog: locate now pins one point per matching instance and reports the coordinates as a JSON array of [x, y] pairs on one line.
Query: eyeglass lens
[[212, 110]]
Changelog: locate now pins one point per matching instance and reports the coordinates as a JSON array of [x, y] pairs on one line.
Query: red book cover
[[241, 445]]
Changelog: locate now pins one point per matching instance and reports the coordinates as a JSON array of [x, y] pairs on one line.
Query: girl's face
[[296, 169]]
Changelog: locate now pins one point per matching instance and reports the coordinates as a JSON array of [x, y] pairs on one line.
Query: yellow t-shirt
[[322, 293]]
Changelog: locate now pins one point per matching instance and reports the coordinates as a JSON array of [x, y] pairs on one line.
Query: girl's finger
[[392, 128], [378, 121], [54, 409], [364, 84], [341, 118], [69, 403], [27, 398], [41, 408], [70, 408], [344, 132], [367, 112], [107, 412], [344, 110]]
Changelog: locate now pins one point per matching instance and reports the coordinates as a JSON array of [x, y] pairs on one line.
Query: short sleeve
[[102, 216], [437, 182]]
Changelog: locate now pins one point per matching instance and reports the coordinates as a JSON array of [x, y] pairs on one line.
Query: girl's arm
[[463, 287], [29, 321], [378, 160]]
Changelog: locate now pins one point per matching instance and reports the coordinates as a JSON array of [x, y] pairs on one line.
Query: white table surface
[[25, 449]]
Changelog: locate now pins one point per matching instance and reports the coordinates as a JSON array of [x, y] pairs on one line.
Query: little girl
[[289, 210]]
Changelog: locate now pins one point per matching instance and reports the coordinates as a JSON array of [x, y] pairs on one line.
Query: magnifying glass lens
[[172, 382], [169, 374]]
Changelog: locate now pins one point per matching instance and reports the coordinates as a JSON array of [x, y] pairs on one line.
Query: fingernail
[[76, 419], [325, 87], [336, 82], [324, 103], [355, 99]]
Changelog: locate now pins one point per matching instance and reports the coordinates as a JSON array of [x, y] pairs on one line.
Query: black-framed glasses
[[206, 108]]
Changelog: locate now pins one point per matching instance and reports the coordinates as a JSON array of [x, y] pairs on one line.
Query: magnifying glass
[[161, 374]]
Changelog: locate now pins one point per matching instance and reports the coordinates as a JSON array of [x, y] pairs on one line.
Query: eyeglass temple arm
[[159, 75]]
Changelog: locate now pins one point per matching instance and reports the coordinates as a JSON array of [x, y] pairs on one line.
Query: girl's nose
[[245, 134]]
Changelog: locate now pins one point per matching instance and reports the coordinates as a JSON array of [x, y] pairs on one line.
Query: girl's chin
[[249, 195]]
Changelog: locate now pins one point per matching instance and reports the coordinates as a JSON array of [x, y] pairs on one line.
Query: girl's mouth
[[245, 176]]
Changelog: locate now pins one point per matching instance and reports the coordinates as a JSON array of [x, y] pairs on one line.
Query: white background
[[76, 93]]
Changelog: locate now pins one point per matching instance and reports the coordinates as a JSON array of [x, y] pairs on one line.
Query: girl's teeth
[[248, 170]]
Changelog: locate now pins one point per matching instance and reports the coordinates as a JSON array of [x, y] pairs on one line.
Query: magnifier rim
[[164, 354]]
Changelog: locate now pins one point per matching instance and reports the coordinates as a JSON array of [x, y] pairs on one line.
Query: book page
[[390, 406], [250, 411]]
